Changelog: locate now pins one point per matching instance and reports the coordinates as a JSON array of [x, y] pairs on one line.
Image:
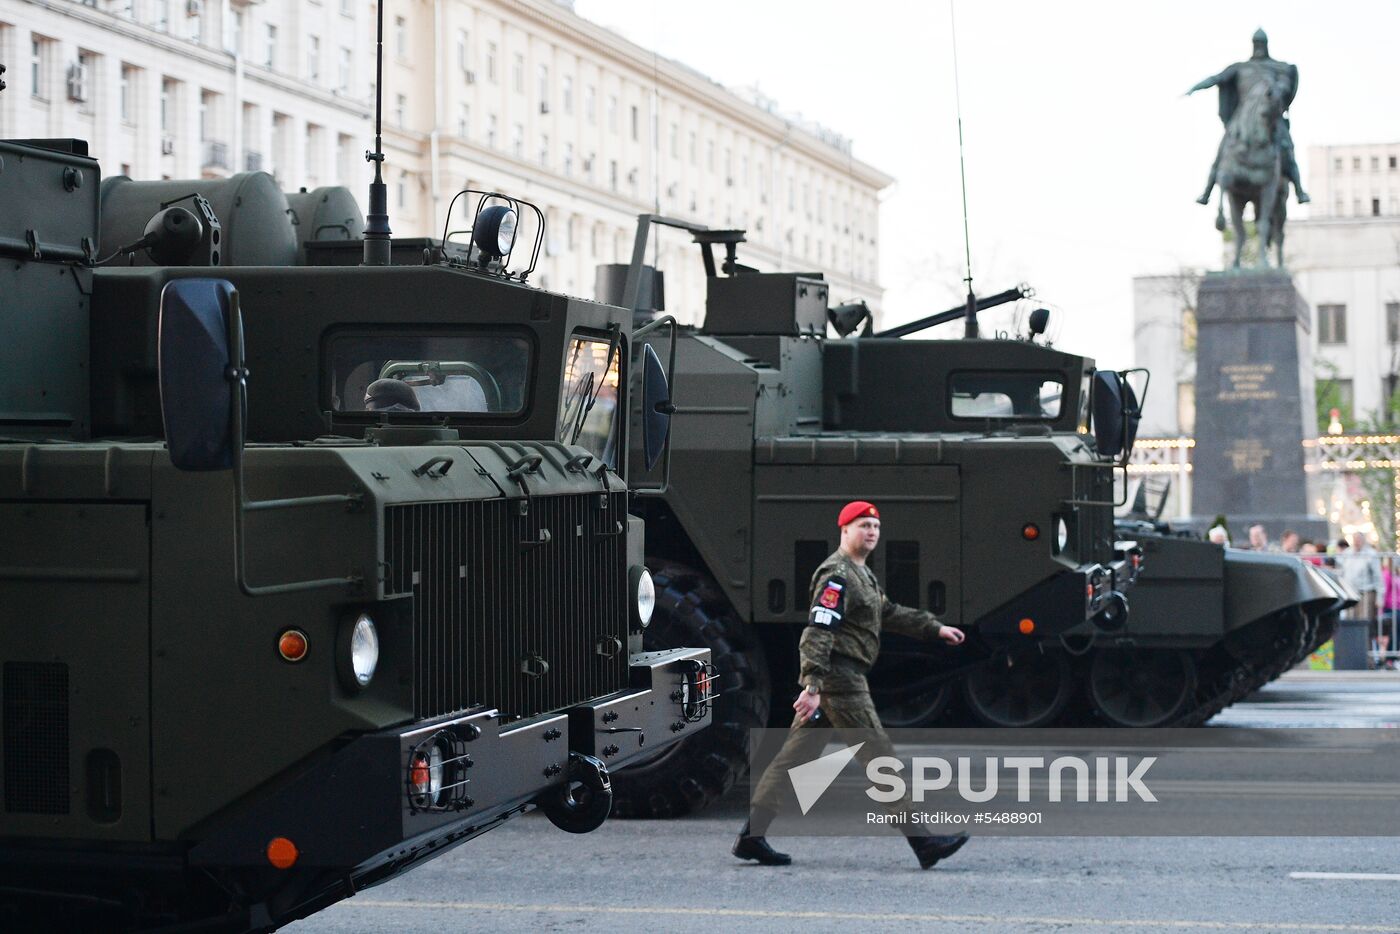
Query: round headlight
[[1061, 534], [364, 650], [494, 231], [643, 596]]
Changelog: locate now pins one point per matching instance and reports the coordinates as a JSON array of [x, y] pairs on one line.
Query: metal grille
[[518, 605], [36, 737]]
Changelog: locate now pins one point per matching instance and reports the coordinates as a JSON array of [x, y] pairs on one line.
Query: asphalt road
[[679, 876]]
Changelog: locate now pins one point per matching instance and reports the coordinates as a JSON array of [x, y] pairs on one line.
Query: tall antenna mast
[[970, 321], [377, 233]]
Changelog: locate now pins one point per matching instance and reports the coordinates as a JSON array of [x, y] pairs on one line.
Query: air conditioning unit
[[469, 76], [544, 107], [77, 82], [167, 146]]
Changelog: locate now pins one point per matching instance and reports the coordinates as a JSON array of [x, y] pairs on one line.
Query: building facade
[[519, 96], [195, 88], [528, 98]]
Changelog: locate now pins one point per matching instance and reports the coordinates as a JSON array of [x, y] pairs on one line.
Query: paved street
[[644, 876]]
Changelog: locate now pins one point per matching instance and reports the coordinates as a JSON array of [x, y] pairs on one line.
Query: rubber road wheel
[[689, 775], [1141, 687], [921, 710], [1022, 691]]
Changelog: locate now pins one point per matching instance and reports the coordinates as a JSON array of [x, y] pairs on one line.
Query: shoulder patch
[[830, 604]]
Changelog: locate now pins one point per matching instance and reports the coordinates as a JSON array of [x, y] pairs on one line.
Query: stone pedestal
[[1254, 404]]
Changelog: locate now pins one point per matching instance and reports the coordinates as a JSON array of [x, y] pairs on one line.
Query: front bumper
[[356, 811]]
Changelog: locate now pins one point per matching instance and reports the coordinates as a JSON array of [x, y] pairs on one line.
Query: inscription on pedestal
[[1254, 400]]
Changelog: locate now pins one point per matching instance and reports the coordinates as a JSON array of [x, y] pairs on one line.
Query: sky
[[1084, 156]]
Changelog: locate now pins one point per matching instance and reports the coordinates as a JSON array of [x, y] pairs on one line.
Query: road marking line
[[995, 920], [1363, 876]]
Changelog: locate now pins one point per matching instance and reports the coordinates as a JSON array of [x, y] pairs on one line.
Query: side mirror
[[657, 407], [196, 393], [1116, 412]]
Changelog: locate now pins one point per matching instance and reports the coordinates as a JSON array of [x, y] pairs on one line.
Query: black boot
[[755, 847], [930, 850]]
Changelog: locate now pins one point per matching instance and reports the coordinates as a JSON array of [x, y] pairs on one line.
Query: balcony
[[215, 162], [252, 162]]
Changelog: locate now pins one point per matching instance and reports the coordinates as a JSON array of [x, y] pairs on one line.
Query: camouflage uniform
[[837, 649]]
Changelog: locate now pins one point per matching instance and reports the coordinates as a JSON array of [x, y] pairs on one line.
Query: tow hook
[[584, 801]]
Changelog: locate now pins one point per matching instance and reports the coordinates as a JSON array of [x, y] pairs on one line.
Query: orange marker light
[[1027, 626], [292, 645], [1030, 531], [282, 853]]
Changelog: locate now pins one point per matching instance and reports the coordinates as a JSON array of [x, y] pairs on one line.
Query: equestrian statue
[[1255, 163]]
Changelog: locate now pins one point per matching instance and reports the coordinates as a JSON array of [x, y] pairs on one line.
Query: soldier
[[837, 649]]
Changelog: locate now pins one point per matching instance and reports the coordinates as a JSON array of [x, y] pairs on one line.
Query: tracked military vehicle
[[312, 570], [998, 502], [993, 460]]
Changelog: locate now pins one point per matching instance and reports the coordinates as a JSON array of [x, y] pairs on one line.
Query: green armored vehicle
[[993, 460], [261, 649], [997, 498]]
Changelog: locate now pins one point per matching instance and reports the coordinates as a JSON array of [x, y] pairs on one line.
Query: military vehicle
[[312, 570], [998, 503], [993, 461]]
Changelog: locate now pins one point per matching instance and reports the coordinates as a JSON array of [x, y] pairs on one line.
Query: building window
[[463, 44], [694, 148], [38, 54], [1356, 163], [612, 112], [1392, 322], [1392, 163], [270, 46], [710, 154], [401, 109], [1375, 163], [403, 191], [1186, 408], [400, 38], [566, 95], [517, 140], [517, 74], [343, 79], [544, 149], [1337, 164], [568, 158], [128, 83], [167, 100], [491, 131], [636, 123], [162, 15], [544, 89], [1332, 324], [590, 103], [313, 58], [612, 174], [675, 141], [347, 7], [464, 120], [491, 62]]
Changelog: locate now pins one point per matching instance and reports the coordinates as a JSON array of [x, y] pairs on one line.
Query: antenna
[[377, 233], [970, 323]]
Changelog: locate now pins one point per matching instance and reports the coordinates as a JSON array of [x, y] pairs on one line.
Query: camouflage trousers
[[846, 718]]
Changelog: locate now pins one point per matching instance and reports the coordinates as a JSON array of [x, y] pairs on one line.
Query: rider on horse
[[1234, 83]]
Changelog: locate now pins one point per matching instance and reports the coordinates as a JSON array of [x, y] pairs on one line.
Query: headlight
[[643, 596], [1061, 534], [364, 650]]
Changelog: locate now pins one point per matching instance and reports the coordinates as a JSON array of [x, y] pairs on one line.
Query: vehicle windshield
[[588, 402], [462, 373], [1005, 395]]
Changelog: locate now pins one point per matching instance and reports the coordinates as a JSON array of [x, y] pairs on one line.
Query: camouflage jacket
[[842, 637]]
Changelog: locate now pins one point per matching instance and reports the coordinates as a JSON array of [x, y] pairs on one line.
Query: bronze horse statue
[[1251, 169]]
